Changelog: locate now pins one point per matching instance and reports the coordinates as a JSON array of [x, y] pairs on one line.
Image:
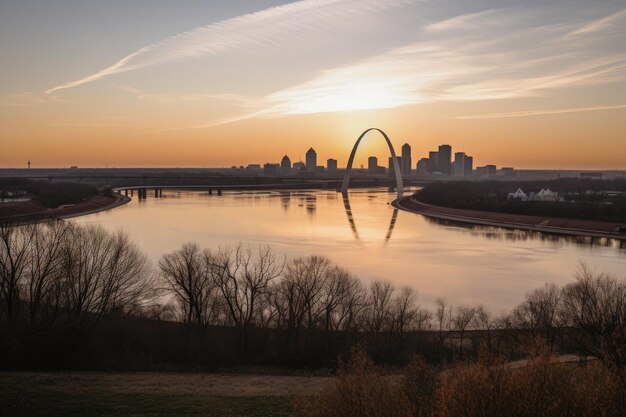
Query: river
[[491, 266]]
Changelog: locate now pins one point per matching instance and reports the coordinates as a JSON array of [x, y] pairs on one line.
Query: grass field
[[150, 394]]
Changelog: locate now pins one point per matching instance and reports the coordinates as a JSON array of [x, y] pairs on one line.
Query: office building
[[331, 165], [469, 165], [270, 169], [372, 165], [311, 160], [458, 167], [433, 162], [406, 159], [285, 164], [445, 159], [422, 166], [391, 168]]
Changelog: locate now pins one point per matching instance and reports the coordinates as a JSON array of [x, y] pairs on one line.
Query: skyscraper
[[391, 168], [285, 164], [311, 160], [422, 166], [331, 165], [445, 159], [458, 168], [433, 162], [372, 165], [469, 165], [406, 159]]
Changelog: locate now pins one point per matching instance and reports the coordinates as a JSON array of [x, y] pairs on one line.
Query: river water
[[494, 267]]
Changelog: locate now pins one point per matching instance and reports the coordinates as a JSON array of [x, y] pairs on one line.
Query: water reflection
[[352, 223], [466, 264], [514, 235]]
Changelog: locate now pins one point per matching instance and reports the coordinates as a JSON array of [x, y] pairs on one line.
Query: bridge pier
[[156, 192], [210, 191], [219, 192], [126, 193]]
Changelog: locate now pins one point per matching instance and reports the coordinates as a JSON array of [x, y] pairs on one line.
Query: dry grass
[[544, 387], [361, 389]]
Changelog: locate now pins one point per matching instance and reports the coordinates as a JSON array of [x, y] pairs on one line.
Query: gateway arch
[[396, 165]]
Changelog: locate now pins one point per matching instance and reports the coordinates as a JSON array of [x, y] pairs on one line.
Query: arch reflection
[[352, 223]]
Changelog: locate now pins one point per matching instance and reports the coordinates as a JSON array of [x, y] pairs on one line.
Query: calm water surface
[[490, 266]]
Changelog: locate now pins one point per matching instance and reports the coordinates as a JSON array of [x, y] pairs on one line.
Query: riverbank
[[562, 226], [32, 211]]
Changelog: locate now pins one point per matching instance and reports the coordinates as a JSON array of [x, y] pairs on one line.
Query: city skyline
[[530, 84]]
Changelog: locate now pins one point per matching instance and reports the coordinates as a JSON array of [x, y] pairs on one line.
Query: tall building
[[469, 166], [406, 159], [433, 162], [285, 164], [445, 159], [463, 165], [422, 166], [311, 160], [372, 165], [391, 168], [331, 165], [270, 169], [458, 167]]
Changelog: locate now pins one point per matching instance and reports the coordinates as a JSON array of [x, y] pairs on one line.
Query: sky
[[165, 83]]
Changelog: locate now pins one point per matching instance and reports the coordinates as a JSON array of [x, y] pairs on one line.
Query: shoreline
[[93, 205], [551, 225], [120, 200]]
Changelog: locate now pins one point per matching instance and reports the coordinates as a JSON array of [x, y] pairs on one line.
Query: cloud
[[466, 21], [21, 99], [478, 64], [600, 24], [528, 113], [275, 26]]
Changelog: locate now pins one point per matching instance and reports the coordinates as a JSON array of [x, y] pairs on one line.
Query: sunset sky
[[530, 84]]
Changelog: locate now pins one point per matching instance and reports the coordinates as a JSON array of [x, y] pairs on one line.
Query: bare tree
[[14, 256], [461, 320], [187, 273], [538, 314], [243, 279], [342, 300], [443, 319], [101, 272], [44, 277], [379, 304], [404, 313], [595, 306]]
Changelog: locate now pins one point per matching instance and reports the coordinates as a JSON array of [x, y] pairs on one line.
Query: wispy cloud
[[478, 64], [600, 24], [165, 98], [274, 26], [21, 99], [465, 21], [528, 113]]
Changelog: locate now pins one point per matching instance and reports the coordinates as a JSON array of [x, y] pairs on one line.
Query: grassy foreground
[[92, 394], [13, 404]]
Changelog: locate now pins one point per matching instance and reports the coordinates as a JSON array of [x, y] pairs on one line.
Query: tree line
[[583, 198], [66, 284]]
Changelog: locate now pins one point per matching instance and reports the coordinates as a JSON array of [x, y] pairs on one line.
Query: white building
[[518, 195], [546, 195]]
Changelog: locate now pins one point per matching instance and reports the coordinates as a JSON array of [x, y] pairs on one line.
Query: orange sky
[[235, 84]]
